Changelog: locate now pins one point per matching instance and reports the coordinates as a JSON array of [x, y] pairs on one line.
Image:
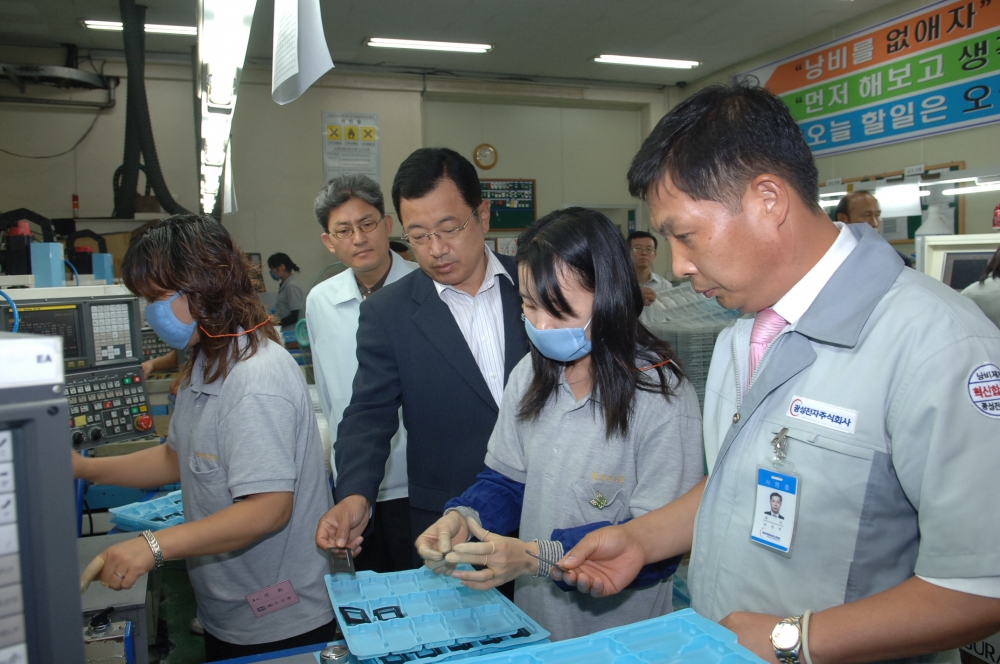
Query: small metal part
[[335, 654], [545, 560], [354, 616], [736, 418], [388, 613], [341, 561]]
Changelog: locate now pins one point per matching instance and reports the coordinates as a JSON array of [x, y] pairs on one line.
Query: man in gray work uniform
[[867, 392]]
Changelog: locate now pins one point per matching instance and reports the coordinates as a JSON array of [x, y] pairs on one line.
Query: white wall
[[977, 147]]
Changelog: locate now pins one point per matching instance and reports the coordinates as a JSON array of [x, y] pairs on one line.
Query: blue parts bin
[[681, 637], [418, 616], [47, 264], [104, 269], [155, 514]]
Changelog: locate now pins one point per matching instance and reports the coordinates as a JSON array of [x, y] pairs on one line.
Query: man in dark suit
[[439, 342]]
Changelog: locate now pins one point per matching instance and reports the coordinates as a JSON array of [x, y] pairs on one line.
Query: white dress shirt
[[332, 311], [481, 320], [794, 304]]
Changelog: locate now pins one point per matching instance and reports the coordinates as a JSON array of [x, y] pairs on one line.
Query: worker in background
[[402, 249], [561, 462], [861, 207], [986, 291], [865, 394], [440, 342], [351, 211], [243, 442], [291, 300], [644, 246]]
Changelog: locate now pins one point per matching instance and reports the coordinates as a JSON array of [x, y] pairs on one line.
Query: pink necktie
[[767, 324]]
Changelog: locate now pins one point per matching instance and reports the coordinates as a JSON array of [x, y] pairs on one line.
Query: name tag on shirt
[[774, 510], [823, 414], [273, 598]]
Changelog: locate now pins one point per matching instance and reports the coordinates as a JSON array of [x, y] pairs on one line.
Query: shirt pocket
[[601, 501], [207, 486]]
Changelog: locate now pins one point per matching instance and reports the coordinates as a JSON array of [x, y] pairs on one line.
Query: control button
[[108, 404], [80, 420], [86, 388], [78, 438], [118, 430], [135, 410], [127, 381], [137, 379], [96, 434], [91, 419], [143, 423], [142, 409]]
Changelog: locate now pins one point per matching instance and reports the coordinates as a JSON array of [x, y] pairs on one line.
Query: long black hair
[[275, 260], [591, 248]]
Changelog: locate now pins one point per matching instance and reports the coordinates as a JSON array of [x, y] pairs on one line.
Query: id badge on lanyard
[[776, 507]]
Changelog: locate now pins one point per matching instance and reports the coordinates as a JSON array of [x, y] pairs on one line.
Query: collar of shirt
[[346, 288], [197, 378], [494, 268], [795, 302]]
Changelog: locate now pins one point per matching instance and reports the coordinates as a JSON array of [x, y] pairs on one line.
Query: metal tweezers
[[545, 560]]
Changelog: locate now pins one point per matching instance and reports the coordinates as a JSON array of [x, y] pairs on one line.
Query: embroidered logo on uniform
[[601, 477], [984, 389], [823, 414], [600, 502]]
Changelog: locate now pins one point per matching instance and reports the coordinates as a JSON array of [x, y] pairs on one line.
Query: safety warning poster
[[350, 145], [928, 72]]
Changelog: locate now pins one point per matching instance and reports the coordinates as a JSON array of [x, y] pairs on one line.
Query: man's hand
[[503, 557], [435, 542], [343, 524], [603, 563], [147, 368], [125, 563], [648, 296], [753, 631]]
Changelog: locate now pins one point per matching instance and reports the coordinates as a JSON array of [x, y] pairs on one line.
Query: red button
[[144, 423], [137, 379], [107, 404]]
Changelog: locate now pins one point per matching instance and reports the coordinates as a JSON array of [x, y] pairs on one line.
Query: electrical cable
[[90, 515], [59, 154], [13, 307], [73, 267]]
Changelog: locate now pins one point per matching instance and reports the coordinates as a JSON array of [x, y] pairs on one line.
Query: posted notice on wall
[[350, 145]]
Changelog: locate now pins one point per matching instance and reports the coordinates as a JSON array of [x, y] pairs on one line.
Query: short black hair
[[635, 235], [274, 260], [423, 170], [719, 139], [777, 495]]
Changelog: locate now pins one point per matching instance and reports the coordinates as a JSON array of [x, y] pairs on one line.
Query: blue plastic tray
[[155, 514], [416, 615], [683, 636]]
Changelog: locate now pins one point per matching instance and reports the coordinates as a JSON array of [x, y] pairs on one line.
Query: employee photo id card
[[775, 509]]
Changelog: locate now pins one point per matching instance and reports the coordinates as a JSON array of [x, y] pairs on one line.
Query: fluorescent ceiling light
[[935, 183], [834, 193], [827, 204], [151, 28], [381, 42], [973, 190], [647, 62]]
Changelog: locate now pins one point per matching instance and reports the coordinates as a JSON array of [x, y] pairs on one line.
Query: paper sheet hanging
[[299, 55]]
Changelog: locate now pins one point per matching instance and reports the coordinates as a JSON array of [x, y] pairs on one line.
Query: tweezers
[[545, 560]]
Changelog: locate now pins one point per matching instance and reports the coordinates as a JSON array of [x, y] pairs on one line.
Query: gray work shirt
[[903, 486], [290, 298], [254, 432], [565, 459]]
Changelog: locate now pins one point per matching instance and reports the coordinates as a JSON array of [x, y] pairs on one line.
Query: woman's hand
[[504, 558], [435, 542], [124, 563]]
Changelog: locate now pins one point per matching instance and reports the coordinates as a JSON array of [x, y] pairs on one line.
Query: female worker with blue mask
[[291, 301], [597, 426], [244, 443]]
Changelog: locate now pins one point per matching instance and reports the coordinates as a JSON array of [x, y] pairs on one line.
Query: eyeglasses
[[643, 250], [366, 226], [445, 234]]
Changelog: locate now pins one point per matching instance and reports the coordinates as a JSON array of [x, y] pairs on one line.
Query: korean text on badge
[[273, 598], [823, 414], [984, 389]]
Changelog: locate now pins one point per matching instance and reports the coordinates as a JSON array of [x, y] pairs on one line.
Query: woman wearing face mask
[[596, 426], [291, 300], [244, 443]]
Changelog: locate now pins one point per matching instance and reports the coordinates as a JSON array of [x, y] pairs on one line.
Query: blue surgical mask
[[274, 275], [562, 344], [165, 323]]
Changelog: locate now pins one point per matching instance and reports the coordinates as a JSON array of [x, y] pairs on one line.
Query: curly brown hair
[[196, 255]]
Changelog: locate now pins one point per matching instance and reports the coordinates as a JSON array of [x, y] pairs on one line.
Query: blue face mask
[[563, 344], [274, 275], [165, 323]]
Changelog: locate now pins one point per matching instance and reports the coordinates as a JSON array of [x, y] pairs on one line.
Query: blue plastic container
[[416, 615], [104, 268], [47, 264], [678, 637], [155, 514]]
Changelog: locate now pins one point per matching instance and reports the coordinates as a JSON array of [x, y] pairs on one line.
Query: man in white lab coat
[[351, 211]]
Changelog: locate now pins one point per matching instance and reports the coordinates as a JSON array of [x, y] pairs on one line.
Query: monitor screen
[[51, 320], [962, 269]]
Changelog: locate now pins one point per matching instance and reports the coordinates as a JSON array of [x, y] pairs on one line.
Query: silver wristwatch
[[786, 638]]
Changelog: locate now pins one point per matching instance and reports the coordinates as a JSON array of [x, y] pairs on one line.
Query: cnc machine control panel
[[107, 406]]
